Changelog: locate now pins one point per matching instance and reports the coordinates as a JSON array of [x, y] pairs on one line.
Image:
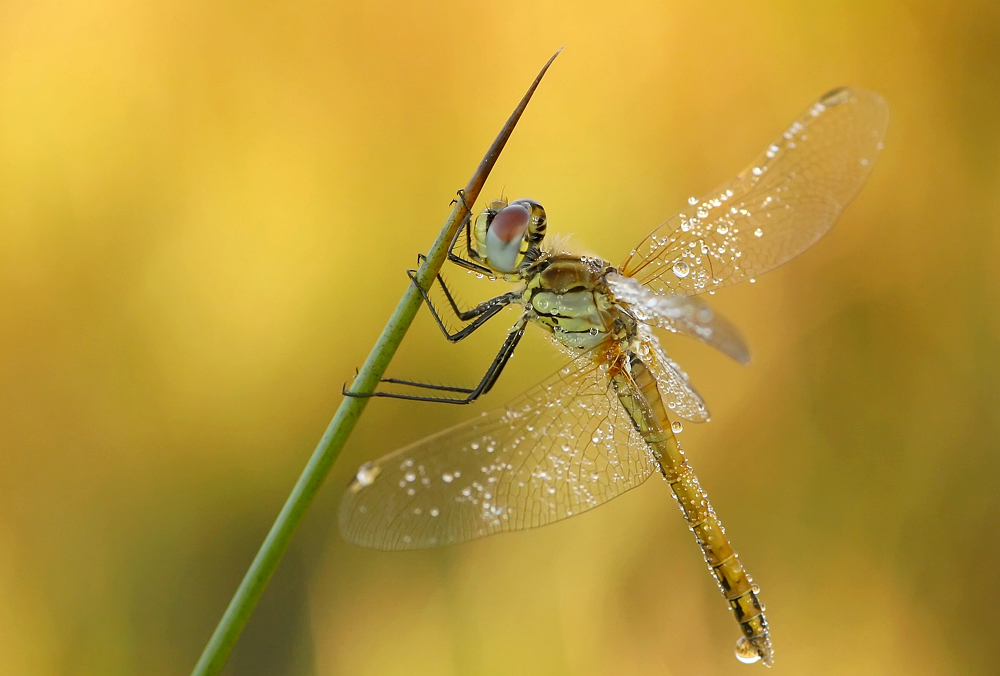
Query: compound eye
[[504, 236]]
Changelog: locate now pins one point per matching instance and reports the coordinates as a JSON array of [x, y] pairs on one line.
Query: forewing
[[680, 314], [678, 395], [561, 448], [776, 208]]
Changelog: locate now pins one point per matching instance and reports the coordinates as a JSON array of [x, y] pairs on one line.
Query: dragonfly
[[608, 419]]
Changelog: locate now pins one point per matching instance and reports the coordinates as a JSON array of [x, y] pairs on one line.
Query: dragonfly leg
[[478, 315], [457, 258], [461, 198], [469, 265], [471, 394], [463, 315], [467, 229]]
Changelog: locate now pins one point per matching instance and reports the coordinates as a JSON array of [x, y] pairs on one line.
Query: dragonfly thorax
[[569, 296]]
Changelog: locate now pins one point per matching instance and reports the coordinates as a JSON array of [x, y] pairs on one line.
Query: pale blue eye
[[504, 237]]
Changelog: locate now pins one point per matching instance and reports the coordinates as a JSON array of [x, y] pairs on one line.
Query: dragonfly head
[[508, 235]]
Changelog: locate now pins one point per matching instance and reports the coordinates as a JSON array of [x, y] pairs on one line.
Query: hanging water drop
[[677, 426], [746, 652]]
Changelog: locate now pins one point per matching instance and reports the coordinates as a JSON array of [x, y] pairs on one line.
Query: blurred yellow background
[[205, 214]]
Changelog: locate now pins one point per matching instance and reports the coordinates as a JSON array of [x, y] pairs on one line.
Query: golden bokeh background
[[205, 214]]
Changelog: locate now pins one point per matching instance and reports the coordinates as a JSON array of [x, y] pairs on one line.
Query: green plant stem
[[302, 495]]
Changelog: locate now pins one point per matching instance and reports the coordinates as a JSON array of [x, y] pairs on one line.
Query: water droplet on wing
[[367, 473], [681, 269]]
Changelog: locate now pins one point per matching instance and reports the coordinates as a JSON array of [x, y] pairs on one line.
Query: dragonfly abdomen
[[641, 398]]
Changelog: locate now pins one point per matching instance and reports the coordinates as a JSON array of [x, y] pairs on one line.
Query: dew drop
[[677, 426], [681, 269], [722, 229], [434, 511], [758, 233], [692, 200], [367, 473], [447, 478], [746, 652], [754, 588]]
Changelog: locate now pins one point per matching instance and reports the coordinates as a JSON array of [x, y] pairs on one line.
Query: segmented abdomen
[[641, 397]]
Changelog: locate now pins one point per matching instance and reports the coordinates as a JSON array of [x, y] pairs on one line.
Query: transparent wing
[[678, 395], [559, 449], [680, 314], [776, 208]]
